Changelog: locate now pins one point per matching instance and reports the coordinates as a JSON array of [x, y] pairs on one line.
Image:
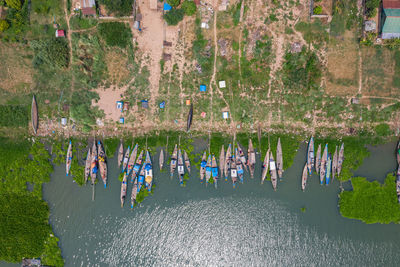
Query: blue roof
[[167, 7], [203, 88]]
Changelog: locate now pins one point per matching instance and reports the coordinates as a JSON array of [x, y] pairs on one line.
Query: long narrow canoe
[[93, 164], [140, 179], [136, 167], [328, 169], [214, 170], [279, 159], [398, 153], [189, 118], [240, 156], [148, 172], [87, 165], [174, 159], [120, 154], [203, 165], [187, 160], [161, 159], [239, 167], [233, 170], [310, 155], [334, 163], [322, 172], [272, 172], [304, 177], [68, 159], [208, 169], [126, 159], [131, 161], [124, 186], [228, 160], [34, 115], [134, 193], [102, 163], [318, 159], [251, 161], [181, 168], [265, 167], [222, 161], [340, 159]]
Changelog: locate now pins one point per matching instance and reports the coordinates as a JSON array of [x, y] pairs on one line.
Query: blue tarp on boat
[[215, 172], [203, 163]]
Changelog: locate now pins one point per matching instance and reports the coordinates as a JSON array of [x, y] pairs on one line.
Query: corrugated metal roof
[[391, 4], [87, 3], [391, 25], [390, 12]]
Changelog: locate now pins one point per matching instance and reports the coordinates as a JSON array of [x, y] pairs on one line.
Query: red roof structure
[[391, 4], [60, 33]]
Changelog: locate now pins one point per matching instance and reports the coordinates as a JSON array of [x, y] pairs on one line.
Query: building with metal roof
[[390, 19]]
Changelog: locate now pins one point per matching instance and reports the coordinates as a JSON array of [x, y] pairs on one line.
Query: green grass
[[115, 33], [371, 202], [14, 116], [79, 22]]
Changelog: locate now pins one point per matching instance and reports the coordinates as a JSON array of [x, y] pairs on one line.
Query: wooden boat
[[251, 161], [310, 155], [148, 172], [233, 170], [265, 167], [228, 160], [181, 168], [68, 159], [203, 165], [398, 153], [214, 170], [239, 167], [134, 192], [126, 159], [340, 159], [102, 163], [322, 172], [304, 177], [87, 165], [93, 164], [279, 159], [318, 159], [136, 167], [120, 154], [334, 163], [273, 172], [124, 187], [161, 159], [140, 179], [328, 169], [241, 157], [174, 159], [222, 161], [187, 160], [34, 115], [208, 169], [189, 118], [131, 161]]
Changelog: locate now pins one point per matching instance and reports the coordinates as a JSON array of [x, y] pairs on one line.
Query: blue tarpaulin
[[167, 7], [203, 88], [162, 104], [145, 103]]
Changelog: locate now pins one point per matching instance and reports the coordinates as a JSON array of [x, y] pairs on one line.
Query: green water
[[200, 226]]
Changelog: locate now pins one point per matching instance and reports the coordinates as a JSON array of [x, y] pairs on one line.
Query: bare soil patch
[[108, 102]]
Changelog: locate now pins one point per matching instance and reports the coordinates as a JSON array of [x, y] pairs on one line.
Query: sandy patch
[[108, 102]]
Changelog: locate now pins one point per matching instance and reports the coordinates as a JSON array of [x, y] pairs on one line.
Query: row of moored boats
[[398, 171]]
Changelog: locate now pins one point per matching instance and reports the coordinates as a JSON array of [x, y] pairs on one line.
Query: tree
[[174, 16], [174, 3], [16, 4], [317, 10], [3, 25], [189, 7]]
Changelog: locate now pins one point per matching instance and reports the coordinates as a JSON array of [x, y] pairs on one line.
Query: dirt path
[[278, 42], [212, 81], [150, 42], [240, 36], [67, 18], [359, 71]]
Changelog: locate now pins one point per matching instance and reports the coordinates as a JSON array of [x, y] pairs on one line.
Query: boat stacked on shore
[[398, 172]]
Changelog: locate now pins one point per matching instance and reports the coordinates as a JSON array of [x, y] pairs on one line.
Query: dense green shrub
[[382, 129], [371, 7], [14, 116], [174, 16], [189, 7], [317, 10], [115, 33], [174, 3], [50, 52], [118, 7], [18, 20], [371, 202]]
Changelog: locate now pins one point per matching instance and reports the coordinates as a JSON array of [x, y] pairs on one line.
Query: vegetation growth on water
[[371, 202]]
